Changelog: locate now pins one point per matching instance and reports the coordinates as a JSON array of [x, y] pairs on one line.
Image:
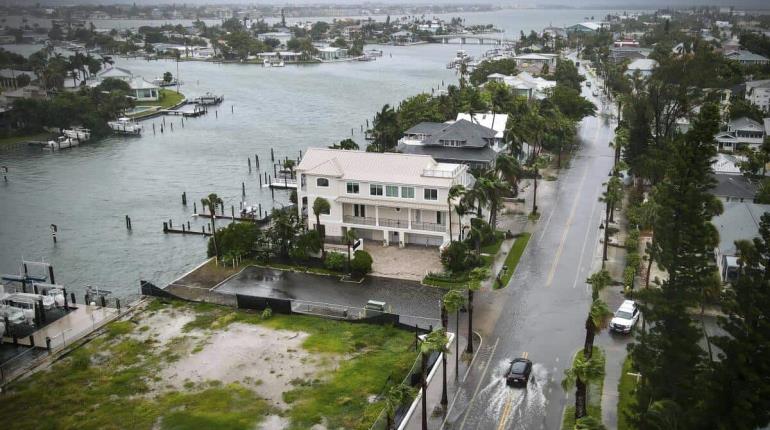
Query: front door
[[393, 237]]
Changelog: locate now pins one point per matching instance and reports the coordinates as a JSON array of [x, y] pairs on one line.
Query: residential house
[[585, 27], [281, 36], [539, 59], [734, 188], [555, 32], [524, 84], [331, 53], [8, 77], [115, 73], [620, 54], [747, 57], [29, 92], [741, 133], [461, 142], [738, 221], [144, 91], [644, 66], [390, 198], [403, 37], [758, 93]]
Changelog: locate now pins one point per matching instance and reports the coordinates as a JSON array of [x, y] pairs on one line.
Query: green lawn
[[108, 382], [168, 98], [594, 391], [512, 260], [494, 247], [626, 397], [24, 138]]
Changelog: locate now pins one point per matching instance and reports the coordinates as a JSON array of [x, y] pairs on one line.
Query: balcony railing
[[428, 226], [350, 219], [394, 223]]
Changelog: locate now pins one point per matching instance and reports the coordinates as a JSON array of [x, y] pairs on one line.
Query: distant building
[[144, 91], [738, 221], [758, 93], [331, 53], [115, 73], [8, 77], [623, 53], [747, 57], [585, 27], [644, 66], [741, 133], [555, 32], [540, 59], [388, 198]]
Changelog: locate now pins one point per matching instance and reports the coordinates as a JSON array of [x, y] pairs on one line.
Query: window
[[322, 182], [407, 192], [391, 191], [375, 190], [359, 210], [438, 218], [431, 194], [352, 187], [326, 211]]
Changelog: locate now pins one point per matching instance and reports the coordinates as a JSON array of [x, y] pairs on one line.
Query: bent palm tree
[[455, 192], [211, 202], [476, 276], [349, 237], [453, 301], [434, 341], [583, 372], [598, 318], [320, 206]]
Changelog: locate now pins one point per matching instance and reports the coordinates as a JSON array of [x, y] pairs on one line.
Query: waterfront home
[[115, 73], [331, 53], [734, 188], [144, 91], [741, 133], [555, 32], [738, 221], [758, 93], [644, 66], [9, 77], [747, 57], [524, 84], [538, 59], [462, 142], [281, 36], [29, 92], [585, 27], [403, 37], [389, 198]]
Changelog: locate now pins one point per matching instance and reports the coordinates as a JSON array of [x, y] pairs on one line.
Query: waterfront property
[[524, 84], [643, 66], [741, 133], [388, 198], [331, 53], [747, 57]]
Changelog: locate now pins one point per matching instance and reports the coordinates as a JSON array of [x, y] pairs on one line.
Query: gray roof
[[474, 135], [450, 154], [745, 123], [734, 186], [425, 127], [744, 55], [739, 221]]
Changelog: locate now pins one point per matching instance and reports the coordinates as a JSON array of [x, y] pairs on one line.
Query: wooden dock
[[285, 184], [231, 218], [170, 230]]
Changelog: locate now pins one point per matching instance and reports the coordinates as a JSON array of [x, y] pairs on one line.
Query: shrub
[[266, 314], [455, 257], [632, 241], [235, 239], [628, 277], [361, 263], [335, 261]]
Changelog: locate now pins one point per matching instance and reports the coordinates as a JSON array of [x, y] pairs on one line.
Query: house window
[[407, 192], [375, 190], [438, 218], [431, 194], [322, 182], [352, 187], [359, 210], [391, 191]]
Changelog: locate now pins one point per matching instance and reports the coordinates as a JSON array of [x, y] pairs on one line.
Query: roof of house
[[642, 64], [745, 123], [764, 83], [114, 72], [474, 135], [530, 57], [377, 167], [141, 84], [738, 221], [727, 163], [589, 25], [744, 55], [452, 154], [734, 186], [494, 121], [15, 73]]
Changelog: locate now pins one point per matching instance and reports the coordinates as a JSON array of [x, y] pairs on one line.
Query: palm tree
[[583, 371], [461, 209], [476, 276], [493, 189], [453, 301], [396, 396], [434, 341], [598, 318], [509, 169], [455, 192], [320, 206], [211, 202], [349, 236], [610, 197], [589, 423]]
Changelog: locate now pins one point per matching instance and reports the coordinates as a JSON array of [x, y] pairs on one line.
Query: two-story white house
[[390, 198], [758, 93], [741, 133]]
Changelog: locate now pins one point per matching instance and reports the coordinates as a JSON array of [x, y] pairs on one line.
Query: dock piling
[[243, 188], [195, 207], [232, 212], [249, 165], [188, 225], [165, 227], [128, 222], [5, 175], [72, 298], [260, 181], [256, 158], [184, 198], [272, 155]]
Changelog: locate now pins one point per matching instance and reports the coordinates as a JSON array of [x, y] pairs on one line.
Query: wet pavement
[[404, 297], [542, 311]]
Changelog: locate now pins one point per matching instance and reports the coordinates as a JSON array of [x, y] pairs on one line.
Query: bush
[[361, 264], [455, 257], [335, 261], [632, 241], [237, 239]]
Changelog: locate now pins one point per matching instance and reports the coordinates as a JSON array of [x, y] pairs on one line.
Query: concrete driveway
[[412, 262]]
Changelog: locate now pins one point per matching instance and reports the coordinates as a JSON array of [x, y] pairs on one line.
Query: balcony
[[350, 219], [428, 226], [394, 223]]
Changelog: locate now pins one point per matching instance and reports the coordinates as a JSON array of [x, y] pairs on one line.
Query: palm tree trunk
[[493, 214], [580, 399], [649, 264], [424, 386], [588, 345], [469, 348], [457, 344], [449, 215], [606, 234], [444, 397], [534, 195]]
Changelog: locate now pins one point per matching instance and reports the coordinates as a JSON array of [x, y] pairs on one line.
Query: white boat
[[267, 63], [163, 83], [62, 142], [208, 99], [125, 126], [78, 133]]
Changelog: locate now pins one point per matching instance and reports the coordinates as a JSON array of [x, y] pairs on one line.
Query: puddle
[[519, 402]]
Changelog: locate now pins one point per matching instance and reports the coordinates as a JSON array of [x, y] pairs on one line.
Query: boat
[[125, 125], [460, 58], [62, 142], [267, 63], [78, 133], [163, 83], [209, 99], [374, 53]]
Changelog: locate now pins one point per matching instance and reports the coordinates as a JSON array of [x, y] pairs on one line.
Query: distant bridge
[[468, 38]]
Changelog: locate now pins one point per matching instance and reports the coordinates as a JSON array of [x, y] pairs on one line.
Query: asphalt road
[[542, 311]]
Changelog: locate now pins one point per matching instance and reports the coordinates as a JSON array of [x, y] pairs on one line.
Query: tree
[[611, 197], [434, 342], [494, 189], [235, 240], [455, 193], [566, 74], [570, 103], [385, 129], [320, 206], [583, 372], [211, 202], [589, 423], [349, 237], [396, 396], [362, 263], [452, 302], [476, 276], [346, 144], [506, 66], [510, 170], [168, 77]]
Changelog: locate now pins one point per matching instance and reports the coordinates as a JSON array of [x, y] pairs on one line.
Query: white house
[[738, 221], [524, 84], [115, 73], [331, 53], [144, 91], [758, 93], [747, 57], [540, 59], [389, 198], [741, 133], [644, 66]]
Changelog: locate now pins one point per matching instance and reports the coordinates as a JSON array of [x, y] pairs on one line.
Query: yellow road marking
[[506, 412], [525, 355]]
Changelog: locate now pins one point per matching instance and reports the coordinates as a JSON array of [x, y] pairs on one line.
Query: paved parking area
[[412, 262]]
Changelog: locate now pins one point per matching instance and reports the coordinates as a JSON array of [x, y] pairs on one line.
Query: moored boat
[[125, 126]]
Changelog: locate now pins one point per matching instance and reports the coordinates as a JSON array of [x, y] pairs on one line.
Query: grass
[[24, 138], [512, 260], [168, 98], [494, 247], [108, 382], [533, 216], [594, 392], [626, 395]]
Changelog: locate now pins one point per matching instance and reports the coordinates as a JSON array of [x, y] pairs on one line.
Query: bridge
[[469, 38]]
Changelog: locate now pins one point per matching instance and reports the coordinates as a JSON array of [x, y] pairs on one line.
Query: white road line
[[478, 386], [585, 240]]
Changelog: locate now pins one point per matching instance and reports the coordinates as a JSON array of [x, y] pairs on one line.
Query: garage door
[[424, 239], [369, 234]]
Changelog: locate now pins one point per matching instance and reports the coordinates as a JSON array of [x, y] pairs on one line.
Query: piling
[[203, 229], [188, 225], [54, 229], [161, 128], [72, 298], [172, 126], [31, 340], [300, 154], [272, 193], [272, 155], [266, 179], [117, 303], [216, 114], [50, 274], [34, 289], [249, 165], [104, 302], [66, 305], [260, 210], [243, 188], [184, 198], [170, 224], [153, 128], [256, 158], [232, 109], [5, 176], [367, 122], [48, 344], [275, 170], [260, 181], [195, 208], [128, 223], [232, 212], [183, 230], [351, 131], [165, 227], [222, 207]]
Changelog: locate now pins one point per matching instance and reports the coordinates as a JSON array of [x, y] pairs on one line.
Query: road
[[542, 311]]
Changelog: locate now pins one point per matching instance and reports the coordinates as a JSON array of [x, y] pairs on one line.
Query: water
[[87, 191]]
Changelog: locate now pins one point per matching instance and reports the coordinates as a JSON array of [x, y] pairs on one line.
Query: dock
[[285, 184], [187, 110], [169, 229], [232, 218]]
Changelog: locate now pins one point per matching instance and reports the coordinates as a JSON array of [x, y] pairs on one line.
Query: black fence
[[281, 306]]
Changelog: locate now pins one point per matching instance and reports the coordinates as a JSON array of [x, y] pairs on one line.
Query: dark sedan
[[518, 373]]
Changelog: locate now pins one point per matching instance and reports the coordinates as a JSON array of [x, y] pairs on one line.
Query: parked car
[[625, 317], [588, 84], [518, 373]]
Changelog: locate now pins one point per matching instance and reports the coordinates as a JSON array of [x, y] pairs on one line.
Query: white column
[[377, 215], [409, 218]]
